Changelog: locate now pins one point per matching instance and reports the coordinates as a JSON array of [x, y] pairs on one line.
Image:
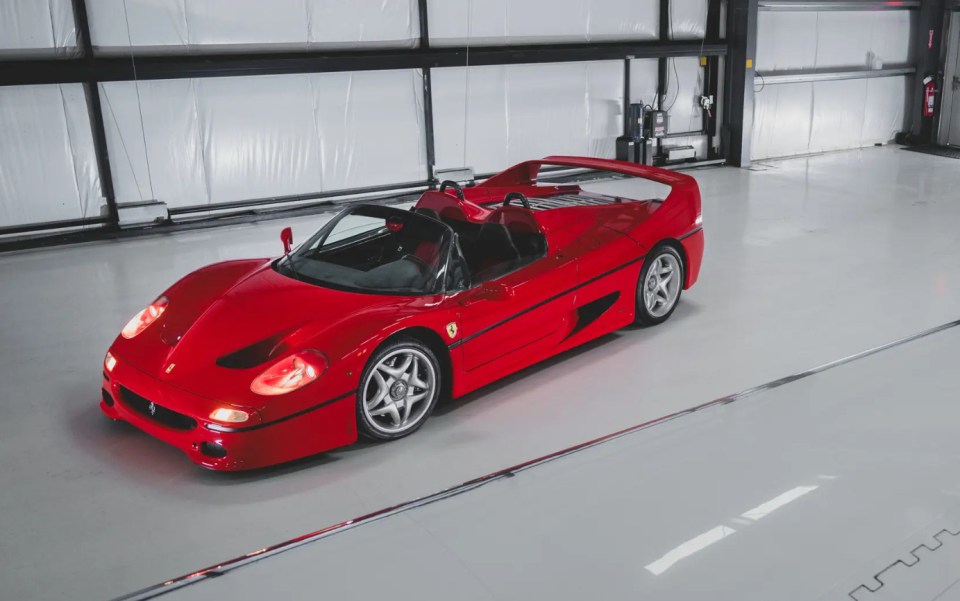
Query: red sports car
[[383, 311]]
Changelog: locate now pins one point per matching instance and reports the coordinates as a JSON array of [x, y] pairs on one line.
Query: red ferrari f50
[[383, 311]]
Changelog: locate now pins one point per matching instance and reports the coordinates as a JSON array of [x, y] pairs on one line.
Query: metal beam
[[804, 76], [27, 228], [742, 37], [845, 5], [46, 71]]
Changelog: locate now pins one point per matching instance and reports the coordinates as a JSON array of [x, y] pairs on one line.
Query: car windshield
[[374, 249]]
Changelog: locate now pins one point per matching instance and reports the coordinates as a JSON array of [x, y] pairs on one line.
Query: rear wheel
[[660, 285], [398, 390]]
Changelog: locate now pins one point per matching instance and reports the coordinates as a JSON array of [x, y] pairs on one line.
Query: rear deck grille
[[159, 414], [560, 201]]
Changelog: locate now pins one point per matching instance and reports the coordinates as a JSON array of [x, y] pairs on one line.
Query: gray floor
[[799, 493], [807, 260]]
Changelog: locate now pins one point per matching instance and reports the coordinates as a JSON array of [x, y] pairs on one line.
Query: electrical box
[[674, 154], [635, 121], [655, 125]]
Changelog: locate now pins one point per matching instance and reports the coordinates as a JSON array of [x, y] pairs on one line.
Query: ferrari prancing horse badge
[[452, 329]]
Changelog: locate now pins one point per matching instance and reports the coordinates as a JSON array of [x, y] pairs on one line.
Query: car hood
[[187, 345]]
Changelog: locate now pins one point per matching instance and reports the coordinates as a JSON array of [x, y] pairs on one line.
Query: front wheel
[[659, 287], [398, 390]]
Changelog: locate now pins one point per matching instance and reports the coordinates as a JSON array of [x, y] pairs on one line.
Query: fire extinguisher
[[929, 96]]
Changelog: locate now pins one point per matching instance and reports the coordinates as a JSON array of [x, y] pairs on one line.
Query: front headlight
[[143, 319], [292, 373], [229, 416]]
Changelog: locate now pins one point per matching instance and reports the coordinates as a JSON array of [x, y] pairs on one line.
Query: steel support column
[[741, 53], [711, 85], [427, 95], [92, 89], [662, 74], [927, 40]]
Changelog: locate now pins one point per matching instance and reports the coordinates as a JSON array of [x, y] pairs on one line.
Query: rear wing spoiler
[[684, 191], [525, 173]]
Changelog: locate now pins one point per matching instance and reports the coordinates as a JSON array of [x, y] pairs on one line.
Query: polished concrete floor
[[808, 260], [806, 491]]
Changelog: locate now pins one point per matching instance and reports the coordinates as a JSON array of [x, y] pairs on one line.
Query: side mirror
[[286, 236], [495, 291]]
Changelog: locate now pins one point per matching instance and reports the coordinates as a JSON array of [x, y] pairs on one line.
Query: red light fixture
[[143, 319], [289, 374]]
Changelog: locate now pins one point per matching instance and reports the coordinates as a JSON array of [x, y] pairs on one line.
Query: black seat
[[494, 253]]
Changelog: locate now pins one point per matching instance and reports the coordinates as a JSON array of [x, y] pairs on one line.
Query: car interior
[[507, 240]]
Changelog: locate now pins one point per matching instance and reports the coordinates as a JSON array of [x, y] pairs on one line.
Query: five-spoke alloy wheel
[[398, 390], [659, 287]]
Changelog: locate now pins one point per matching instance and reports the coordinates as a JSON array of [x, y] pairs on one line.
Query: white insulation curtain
[[802, 118], [48, 168], [178, 26], [209, 141], [517, 112], [37, 28], [497, 22]]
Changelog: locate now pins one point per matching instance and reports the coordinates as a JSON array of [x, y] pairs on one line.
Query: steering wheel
[[518, 195], [451, 184]]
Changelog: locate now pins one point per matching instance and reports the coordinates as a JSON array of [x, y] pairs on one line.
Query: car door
[[523, 312], [526, 311]]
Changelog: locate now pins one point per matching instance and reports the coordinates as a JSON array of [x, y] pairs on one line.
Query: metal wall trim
[[778, 77], [844, 5]]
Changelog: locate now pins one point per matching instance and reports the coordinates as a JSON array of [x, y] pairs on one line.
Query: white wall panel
[[238, 25], [684, 86], [801, 118], [781, 120], [37, 28], [883, 114], [688, 19], [806, 40], [48, 169], [518, 112], [837, 118], [218, 140], [498, 22], [643, 81], [125, 139]]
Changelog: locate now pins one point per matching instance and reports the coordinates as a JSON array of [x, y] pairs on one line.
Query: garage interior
[[786, 434]]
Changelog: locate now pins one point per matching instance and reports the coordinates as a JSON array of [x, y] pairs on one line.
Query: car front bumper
[[181, 419]]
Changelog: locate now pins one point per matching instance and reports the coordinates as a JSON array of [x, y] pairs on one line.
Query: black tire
[[374, 429], [644, 316]]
